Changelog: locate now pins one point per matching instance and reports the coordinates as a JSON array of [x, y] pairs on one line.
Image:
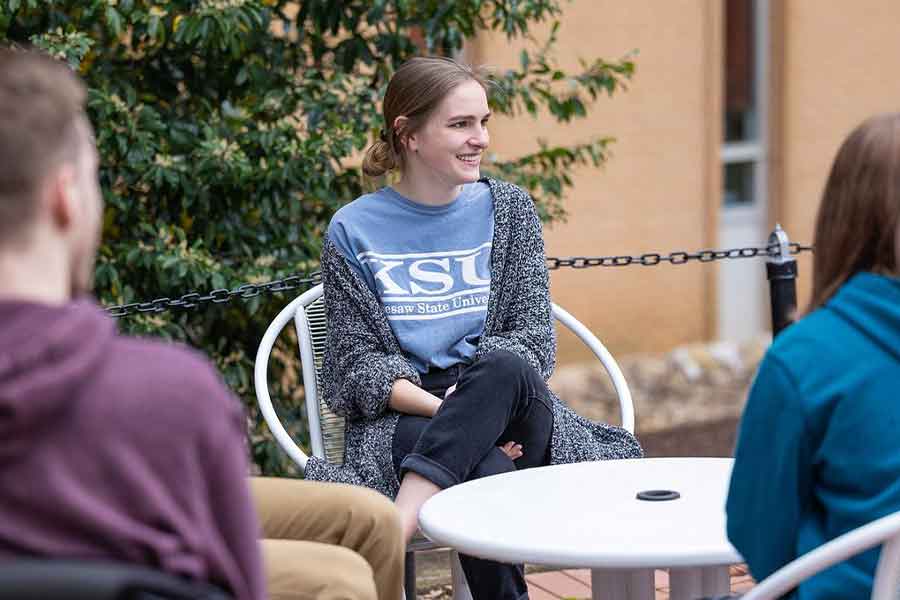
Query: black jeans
[[499, 398]]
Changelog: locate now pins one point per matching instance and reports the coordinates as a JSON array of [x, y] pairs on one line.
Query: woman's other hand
[[512, 450], [408, 398]]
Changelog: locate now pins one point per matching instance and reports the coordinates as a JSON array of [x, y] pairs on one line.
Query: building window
[[744, 144], [740, 81], [739, 185]]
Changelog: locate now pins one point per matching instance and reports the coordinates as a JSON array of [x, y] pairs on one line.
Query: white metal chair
[[326, 430], [885, 530]]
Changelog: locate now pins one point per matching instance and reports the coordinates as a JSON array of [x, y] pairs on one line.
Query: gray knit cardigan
[[363, 358]]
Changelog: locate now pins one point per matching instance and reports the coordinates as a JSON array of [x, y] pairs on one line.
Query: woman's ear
[[408, 141]]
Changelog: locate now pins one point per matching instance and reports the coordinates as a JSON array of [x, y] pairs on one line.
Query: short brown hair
[[415, 91], [860, 210], [41, 101]]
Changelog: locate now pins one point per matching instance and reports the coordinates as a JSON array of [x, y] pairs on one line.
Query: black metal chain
[[219, 296], [293, 282], [676, 258]]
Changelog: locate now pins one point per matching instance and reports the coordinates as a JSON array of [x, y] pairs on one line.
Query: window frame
[[754, 151]]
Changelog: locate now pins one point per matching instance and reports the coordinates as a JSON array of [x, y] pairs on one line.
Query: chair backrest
[[327, 429], [310, 323], [51, 579], [885, 530]]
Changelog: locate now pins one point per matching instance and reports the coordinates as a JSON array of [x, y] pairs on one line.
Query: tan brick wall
[[833, 64], [841, 64], [657, 191]]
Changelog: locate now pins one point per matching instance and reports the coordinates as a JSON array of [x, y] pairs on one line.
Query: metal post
[[781, 271]]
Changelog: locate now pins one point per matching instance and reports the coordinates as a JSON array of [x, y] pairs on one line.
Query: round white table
[[587, 515]]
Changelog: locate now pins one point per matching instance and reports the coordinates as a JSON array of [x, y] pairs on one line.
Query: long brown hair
[[856, 227], [414, 91]]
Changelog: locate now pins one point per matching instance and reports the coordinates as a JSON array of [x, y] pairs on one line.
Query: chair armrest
[[626, 405], [50, 579], [842, 547], [261, 383]]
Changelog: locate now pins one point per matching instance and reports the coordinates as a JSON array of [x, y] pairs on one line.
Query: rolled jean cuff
[[433, 471]]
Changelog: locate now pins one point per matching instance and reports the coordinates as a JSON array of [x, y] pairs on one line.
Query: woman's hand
[[512, 450], [407, 397]]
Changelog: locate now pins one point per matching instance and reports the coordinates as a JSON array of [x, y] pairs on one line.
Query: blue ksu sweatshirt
[[818, 450], [429, 266]]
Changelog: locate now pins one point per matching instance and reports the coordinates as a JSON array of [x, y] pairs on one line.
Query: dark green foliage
[[230, 131]]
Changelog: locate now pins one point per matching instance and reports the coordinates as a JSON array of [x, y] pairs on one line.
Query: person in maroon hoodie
[[114, 448]]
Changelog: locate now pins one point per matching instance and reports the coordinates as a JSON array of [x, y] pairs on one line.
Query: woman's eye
[[459, 125]]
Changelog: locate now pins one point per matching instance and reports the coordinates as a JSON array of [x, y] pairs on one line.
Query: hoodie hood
[[871, 304], [46, 353]]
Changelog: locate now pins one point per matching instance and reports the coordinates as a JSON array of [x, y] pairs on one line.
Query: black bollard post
[[781, 271]]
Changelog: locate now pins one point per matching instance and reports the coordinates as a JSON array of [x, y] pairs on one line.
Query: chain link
[[246, 291], [219, 296], [651, 259]]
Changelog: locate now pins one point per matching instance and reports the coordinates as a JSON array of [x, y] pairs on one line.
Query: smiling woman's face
[[450, 145]]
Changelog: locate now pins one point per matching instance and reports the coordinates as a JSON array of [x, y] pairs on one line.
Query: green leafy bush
[[231, 130]]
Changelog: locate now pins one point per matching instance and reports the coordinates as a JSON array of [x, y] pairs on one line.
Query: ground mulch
[[714, 438]]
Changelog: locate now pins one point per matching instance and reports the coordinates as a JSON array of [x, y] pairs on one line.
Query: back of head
[[46, 346], [415, 91], [41, 104], [857, 224]]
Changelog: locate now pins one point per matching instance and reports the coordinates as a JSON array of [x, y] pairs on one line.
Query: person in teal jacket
[[818, 451]]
